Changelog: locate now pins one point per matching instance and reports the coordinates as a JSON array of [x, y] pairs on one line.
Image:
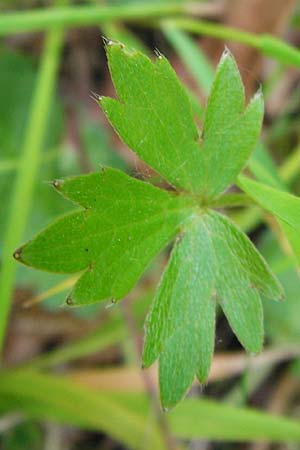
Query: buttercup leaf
[[153, 116], [213, 261], [122, 223], [125, 223], [181, 325], [230, 131], [170, 142]]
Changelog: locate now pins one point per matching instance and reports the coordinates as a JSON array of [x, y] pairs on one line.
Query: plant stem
[[74, 16], [29, 163], [232, 200]]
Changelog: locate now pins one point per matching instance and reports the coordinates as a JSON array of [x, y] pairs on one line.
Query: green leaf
[[282, 322], [61, 399], [125, 223], [263, 168], [284, 206], [169, 142], [17, 79], [153, 116], [125, 416], [213, 261], [207, 419], [230, 131], [181, 324]]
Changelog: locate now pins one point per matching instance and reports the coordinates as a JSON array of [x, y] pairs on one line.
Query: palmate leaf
[[153, 117], [213, 261], [123, 223], [230, 131]]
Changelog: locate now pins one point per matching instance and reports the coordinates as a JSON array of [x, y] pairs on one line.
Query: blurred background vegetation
[[71, 379]]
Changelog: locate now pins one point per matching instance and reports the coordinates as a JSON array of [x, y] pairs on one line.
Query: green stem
[[232, 200], [74, 16], [29, 163]]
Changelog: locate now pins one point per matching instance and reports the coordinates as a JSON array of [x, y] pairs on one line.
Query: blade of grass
[[253, 216], [267, 44], [74, 16], [262, 166], [58, 288], [29, 163], [59, 398], [45, 19], [111, 333], [290, 168], [207, 419], [126, 416], [9, 165]]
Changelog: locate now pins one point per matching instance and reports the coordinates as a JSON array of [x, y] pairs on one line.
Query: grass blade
[[29, 163], [125, 416]]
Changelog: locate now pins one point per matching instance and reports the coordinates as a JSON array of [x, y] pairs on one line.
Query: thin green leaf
[[195, 419], [282, 322], [285, 206], [125, 416], [264, 169], [23, 186], [48, 397]]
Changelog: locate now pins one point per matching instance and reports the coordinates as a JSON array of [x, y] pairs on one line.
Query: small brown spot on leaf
[[56, 184], [17, 254], [69, 301]]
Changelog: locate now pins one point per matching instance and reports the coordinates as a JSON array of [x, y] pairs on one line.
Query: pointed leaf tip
[[226, 53]]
